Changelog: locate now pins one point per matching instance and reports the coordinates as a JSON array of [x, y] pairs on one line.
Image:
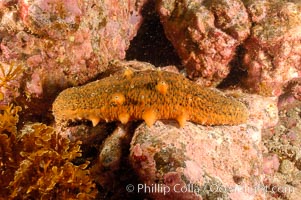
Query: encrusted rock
[[111, 154], [64, 43], [196, 162], [199, 158], [205, 34], [273, 54], [282, 170]]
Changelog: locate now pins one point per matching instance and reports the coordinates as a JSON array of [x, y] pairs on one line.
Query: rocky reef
[[247, 50], [272, 52], [205, 35], [63, 43]]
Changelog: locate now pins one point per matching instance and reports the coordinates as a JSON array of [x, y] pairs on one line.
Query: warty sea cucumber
[[149, 95]]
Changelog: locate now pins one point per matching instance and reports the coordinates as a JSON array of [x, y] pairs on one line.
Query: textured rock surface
[[46, 46], [111, 154], [273, 54], [64, 43], [166, 151], [291, 93], [205, 35], [263, 110], [201, 159], [282, 163]]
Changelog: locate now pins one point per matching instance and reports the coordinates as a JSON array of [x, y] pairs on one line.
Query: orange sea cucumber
[[149, 95]]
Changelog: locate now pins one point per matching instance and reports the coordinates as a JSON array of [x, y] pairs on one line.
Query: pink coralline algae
[[51, 17], [273, 54], [63, 43], [47, 46], [282, 160], [205, 35], [196, 158], [291, 93], [200, 157], [270, 164]]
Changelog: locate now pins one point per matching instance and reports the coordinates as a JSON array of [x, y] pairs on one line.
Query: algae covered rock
[[62, 43], [272, 56], [196, 162], [203, 162], [205, 34]]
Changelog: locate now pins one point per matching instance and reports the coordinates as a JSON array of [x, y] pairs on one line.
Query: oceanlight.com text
[[212, 188]]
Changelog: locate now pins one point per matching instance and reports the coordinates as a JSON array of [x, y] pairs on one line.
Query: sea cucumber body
[[148, 95]]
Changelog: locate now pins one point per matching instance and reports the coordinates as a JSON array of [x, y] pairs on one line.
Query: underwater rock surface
[[282, 158], [200, 158], [63, 43], [197, 157], [205, 34], [273, 55], [47, 46]]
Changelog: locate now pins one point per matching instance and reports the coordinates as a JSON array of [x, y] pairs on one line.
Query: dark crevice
[[150, 44], [237, 72]]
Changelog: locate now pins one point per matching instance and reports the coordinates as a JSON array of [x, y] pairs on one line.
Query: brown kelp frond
[[47, 171], [9, 157], [36, 163], [9, 118], [8, 74]]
